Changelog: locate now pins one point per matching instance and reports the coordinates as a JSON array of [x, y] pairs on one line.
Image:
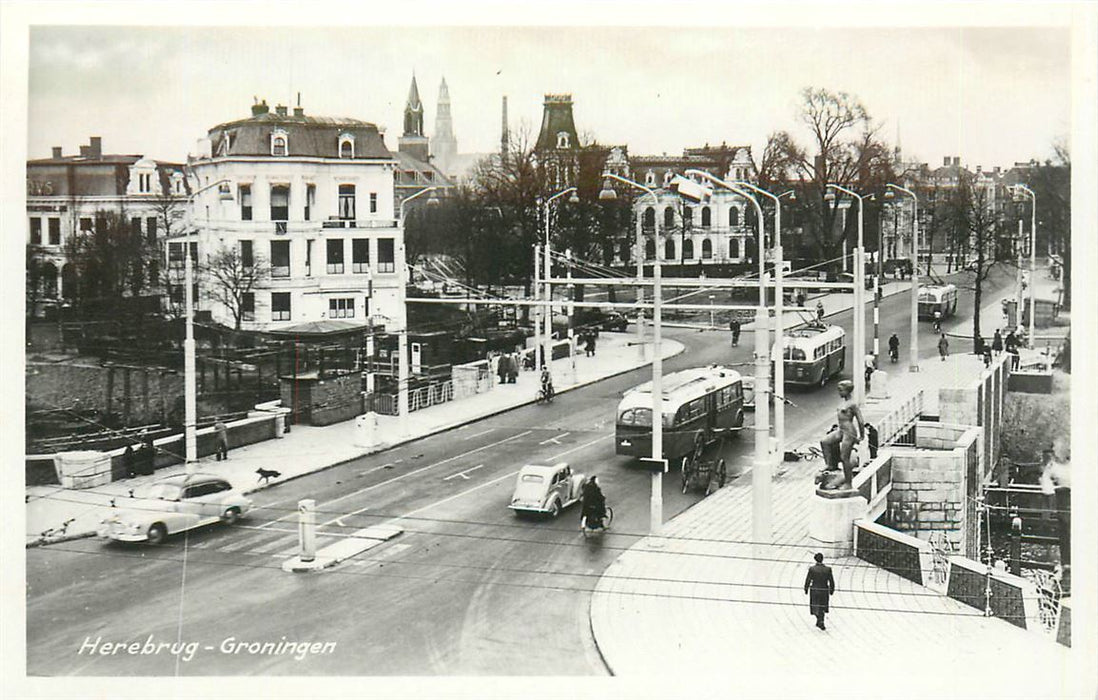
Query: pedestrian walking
[[943, 347], [870, 368], [734, 326], [129, 462], [819, 584], [801, 298], [146, 462], [997, 343], [222, 440], [1011, 343], [592, 339], [978, 345], [819, 311]]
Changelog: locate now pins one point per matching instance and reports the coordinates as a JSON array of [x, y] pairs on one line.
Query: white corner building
[[311, 199]]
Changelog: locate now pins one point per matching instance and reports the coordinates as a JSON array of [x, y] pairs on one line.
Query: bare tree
[[229, 277], [979, 228], [1051, 182]]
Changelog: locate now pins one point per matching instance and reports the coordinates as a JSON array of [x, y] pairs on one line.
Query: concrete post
[[306, 529], [761, 516], [402, 380], [656, 510]]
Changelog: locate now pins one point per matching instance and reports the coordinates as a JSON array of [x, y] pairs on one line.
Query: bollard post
[[306, 529]]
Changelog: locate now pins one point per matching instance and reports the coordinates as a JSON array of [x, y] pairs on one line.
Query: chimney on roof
[[957, 161], [996, 169], [96, 147], [299, 111], [56, 151], [280, 110], [946, 160], [84, 151], [260, 108], [979, 169]]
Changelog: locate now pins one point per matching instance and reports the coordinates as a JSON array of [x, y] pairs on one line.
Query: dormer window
[[563, 140], [279, 143], [346, 146], [650, 179], [667, 178], [145, 183]]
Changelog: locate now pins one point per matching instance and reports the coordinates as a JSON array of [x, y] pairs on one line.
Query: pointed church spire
[[413, 112]]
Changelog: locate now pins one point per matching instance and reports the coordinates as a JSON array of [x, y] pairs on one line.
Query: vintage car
[[546, 489], [172, 505]]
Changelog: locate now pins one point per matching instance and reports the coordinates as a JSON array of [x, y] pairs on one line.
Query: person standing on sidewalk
[[222, 440], [997, 343], [1011, 344], [734, 326], [943, 347], [819, 584]]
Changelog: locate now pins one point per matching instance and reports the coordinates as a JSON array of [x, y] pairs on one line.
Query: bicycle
[[605, 525], [545, 395], [807, 453]]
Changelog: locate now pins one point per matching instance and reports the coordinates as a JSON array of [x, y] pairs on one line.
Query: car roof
[[185, 479], [543, 468]]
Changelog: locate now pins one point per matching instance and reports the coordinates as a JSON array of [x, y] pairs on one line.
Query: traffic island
[[350, 546]]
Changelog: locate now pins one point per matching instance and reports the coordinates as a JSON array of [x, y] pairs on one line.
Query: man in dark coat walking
[[734, 326], [819, 585]]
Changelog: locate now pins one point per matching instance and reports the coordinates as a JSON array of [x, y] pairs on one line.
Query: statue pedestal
[[832, 518]]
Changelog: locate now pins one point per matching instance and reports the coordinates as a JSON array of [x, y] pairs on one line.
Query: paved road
[[467, 589]]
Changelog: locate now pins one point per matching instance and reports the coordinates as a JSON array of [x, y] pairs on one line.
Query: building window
[[386, 255], [734, 248], [280, 306], [175, 255], [667, 178], [85, 225], [649, 219], [669, 249], [310, 201], [687, 216], [245, 202], [360, 255], [55, 231], [280, 258], [668, 217], [247, 255], [36, 230], [280, 202], [347, 202], [175, 291], [733, 216], [279, 144], [373, 202], [135, 226], [346, 146], [247, 306], [707, 217], [688, 249], [144, 181], [649, 250], [309, 257], [563, 140], [650, 179], [335, 256], [150, 228], [707, 249], [341, 308]]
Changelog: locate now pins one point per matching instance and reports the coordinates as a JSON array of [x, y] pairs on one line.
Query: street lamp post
[[914, 349], [402, 334], [656, 510], [547, 311], [1032, 259], [190, 388], [859, 292]]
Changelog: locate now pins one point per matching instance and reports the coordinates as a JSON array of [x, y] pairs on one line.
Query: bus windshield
[[794, 354]]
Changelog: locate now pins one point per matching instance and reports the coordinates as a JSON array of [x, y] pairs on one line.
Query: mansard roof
[[307, 136]]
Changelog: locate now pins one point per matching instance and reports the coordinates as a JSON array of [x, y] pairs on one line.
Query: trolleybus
[[937, 297], [813, 354], [695, 402]]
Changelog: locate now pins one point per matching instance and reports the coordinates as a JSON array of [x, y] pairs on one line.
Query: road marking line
[[464, 474], [485, 432], [414, 471], [498, 478], [554, 440]]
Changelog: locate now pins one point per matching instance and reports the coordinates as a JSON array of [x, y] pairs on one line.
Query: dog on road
[[267, 474]]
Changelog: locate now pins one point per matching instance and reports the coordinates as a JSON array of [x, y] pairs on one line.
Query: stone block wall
[[1012, 598], [979, 403], [138, 394], [323, 401]]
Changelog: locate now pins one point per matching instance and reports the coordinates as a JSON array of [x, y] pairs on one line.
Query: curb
[[43, 541]]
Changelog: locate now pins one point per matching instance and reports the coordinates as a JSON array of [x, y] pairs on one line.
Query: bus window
[[636, 416]]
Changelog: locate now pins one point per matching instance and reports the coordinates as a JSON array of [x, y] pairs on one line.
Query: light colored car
[[172, 505], [546, 489]]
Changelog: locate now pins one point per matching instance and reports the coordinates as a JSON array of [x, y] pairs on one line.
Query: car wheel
[[738, 423], [231, 516], [554, 509], [157, 533]]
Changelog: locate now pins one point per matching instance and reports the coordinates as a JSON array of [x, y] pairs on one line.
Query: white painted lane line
[[554, 440], [497, 479], [483, 432], [414, 471], [464, 474]]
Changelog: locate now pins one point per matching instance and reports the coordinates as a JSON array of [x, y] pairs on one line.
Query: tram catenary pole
[[914, 251], [547, 340], [1032, 261], [656, 509], [859, 293], [402, 335]]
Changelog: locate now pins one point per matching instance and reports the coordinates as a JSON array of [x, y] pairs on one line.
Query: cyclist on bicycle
[[593, 505], [937, 320], [546, 384]]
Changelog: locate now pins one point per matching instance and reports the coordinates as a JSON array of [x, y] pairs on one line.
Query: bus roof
[[684, 385], [936, 288], [811, 335]]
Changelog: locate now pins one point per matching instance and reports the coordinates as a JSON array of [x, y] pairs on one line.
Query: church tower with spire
[[444, 143], [413, 142]]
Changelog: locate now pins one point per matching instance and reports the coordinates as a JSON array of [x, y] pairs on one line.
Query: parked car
[[546, 489], [175, 504]]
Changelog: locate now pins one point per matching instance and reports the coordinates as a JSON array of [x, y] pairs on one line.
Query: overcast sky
[[991, 96]]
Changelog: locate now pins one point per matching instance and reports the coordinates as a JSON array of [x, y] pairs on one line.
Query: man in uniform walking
[[819, 584]]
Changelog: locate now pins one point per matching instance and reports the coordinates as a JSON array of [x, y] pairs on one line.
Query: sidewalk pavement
[[55, 514], [707, 600]]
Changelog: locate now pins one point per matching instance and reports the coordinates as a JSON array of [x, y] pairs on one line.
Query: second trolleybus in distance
[[937, 297], [696, 402], [813, 354]]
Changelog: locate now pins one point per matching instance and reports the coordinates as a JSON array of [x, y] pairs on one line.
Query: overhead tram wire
[[346, 571]]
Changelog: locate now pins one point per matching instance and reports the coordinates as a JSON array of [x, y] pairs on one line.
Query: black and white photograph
[[555, 349]]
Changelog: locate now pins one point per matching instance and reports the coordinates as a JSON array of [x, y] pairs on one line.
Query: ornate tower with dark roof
[[413, 142], [444, 143], [558, 146]]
